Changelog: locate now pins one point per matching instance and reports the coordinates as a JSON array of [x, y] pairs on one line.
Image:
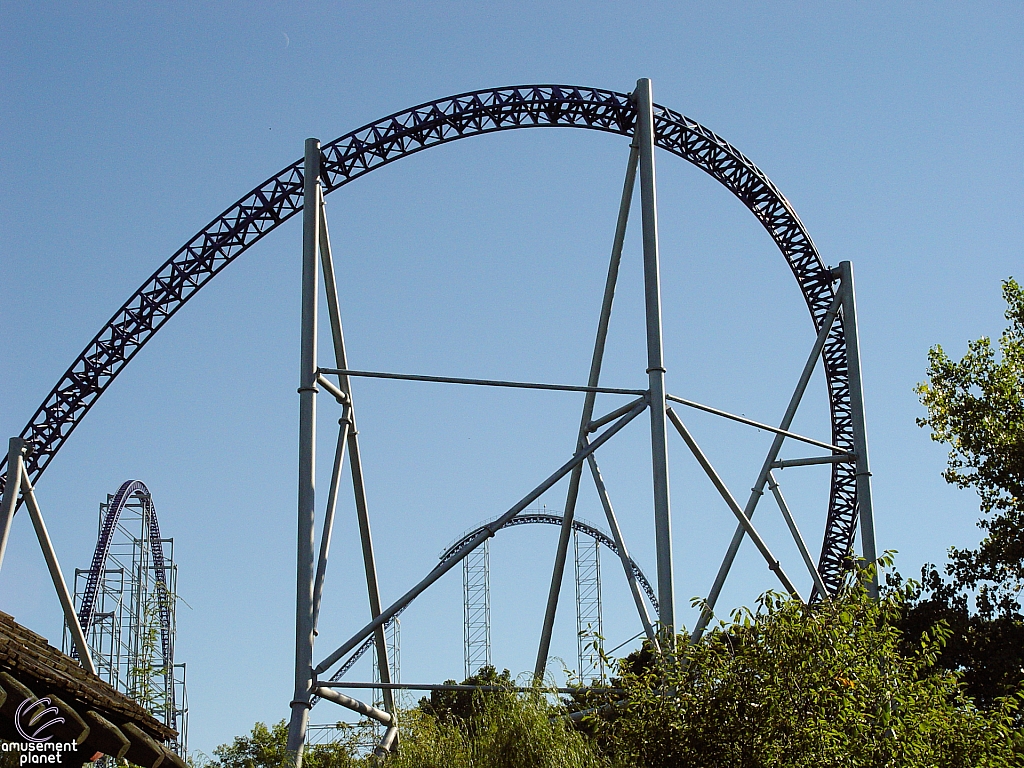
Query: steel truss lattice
[[476, 608], [126, 607], [589, 619]]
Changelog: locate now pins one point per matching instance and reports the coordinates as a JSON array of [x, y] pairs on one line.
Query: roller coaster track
[[404, 133], [131, 489], [535, 518], [532, 518]]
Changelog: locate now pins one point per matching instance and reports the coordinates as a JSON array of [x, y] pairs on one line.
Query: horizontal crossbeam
[[842, 458], [758, 424], [482, 382], [462, 687]]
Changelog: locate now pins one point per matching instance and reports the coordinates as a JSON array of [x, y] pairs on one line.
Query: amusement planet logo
[[35, 746], [23, 710]]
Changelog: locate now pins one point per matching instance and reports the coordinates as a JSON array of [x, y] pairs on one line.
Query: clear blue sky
[[894, 128]]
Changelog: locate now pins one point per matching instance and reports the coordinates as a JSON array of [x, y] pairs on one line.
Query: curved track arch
[[128, 490], [404, 133], [132, 489], [532, 518]]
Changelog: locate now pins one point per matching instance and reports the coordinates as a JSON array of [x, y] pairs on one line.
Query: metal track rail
[[404, 133]]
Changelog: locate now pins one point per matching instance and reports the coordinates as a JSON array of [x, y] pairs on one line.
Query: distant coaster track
[[439, 122], [580, 526], [527, 518], [129, 490]]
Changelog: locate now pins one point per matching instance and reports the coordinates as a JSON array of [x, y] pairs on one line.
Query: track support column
[[15, 454], [588, 413], [860, 434], [655, 356], [355, 461], [307, 456]]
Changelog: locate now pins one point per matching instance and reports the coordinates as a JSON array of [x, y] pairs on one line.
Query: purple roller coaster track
[[355, 154], [827, 292]]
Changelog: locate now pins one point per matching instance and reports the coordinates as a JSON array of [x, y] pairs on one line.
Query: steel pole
[[620, 544], [15, 461], [50, 555], [307, 456], [655, 355], [349, 372], [355, 460], [332, 504], [860, 434], [819, 585], [558, 570], [734, 507]]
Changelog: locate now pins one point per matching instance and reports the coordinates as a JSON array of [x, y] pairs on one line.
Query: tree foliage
[[794, 685], [495, 730], [459, 707], [985, 646], [976, 405], [500, 730], [266, 748], [785, 685]]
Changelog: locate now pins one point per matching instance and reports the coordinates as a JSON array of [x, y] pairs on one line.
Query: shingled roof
[[97, 717]]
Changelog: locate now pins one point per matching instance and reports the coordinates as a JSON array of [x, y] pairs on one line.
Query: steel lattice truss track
[[131, 489], [531, 518], [404, 133], [534, 518]]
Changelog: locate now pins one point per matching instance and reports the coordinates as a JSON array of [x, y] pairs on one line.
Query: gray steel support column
[[15, 461], [332, 504], [655, 355], [66, 603], [819, 585], [758, 489], [860, 434], [620, 544], [355, 461], [307, 456], [558, 571]]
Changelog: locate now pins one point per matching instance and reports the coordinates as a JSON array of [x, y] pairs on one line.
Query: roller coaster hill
[[841, 447], [115, 692]]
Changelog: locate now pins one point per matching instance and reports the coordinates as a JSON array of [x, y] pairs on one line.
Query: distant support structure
[[589, 623], [589, 615], [476, 608], [125, 603]]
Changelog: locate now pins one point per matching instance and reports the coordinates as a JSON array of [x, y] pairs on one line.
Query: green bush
[[504, 730], [793, 685], [785, 685]]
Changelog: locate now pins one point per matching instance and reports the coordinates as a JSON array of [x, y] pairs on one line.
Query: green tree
[[985, 646], [266, 748], [502, 729], [791, 685], [976, 406], [459, 707]]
